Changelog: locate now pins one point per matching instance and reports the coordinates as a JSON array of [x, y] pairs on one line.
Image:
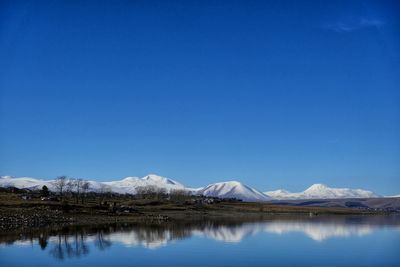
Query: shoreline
[[14, 216], [17, 212]]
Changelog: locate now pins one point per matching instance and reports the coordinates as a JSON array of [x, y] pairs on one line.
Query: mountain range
[[229, 189], [321, 191]]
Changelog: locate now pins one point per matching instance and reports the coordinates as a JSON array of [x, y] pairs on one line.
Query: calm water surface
[[318, 241]]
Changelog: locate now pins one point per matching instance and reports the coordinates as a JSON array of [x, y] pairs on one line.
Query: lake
[[276, 241]]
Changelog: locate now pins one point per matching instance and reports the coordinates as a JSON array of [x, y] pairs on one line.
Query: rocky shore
[[32, 217], [42, 216]]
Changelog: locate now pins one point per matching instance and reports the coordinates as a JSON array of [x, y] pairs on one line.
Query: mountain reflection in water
[[70, 242]]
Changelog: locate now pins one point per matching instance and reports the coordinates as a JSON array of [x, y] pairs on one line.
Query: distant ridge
[[228, 189], [321, 191], [126, 185]]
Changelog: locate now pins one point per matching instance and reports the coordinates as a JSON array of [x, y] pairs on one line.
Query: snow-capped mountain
[[230, 189], [127, 185], [233, 189], [25, 182], [321, 191], [130, 184]]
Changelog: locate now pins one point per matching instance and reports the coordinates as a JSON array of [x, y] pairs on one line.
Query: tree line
[[72, 187], [77, 188]]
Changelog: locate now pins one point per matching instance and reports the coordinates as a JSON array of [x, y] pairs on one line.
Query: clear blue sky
[[276, 94]]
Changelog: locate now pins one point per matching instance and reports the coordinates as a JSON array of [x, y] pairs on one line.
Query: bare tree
[[146, 192], [141, 192], [104, 190], [85, 188], [151, 192], [179, 195], [70, 186], [160, 193], [78, 183], [60, 184]]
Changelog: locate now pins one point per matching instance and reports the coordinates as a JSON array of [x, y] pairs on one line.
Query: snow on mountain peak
[[153, 177], [130, 184], [157, 178], [281, 191], [322, 191], [130, 179], [228, 184], [315, 187], [232, 189], [228, 189]]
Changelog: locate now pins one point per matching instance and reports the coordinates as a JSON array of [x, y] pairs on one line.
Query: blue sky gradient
[[276, 94]]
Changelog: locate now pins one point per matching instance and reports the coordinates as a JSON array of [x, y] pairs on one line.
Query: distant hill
[[321, 191], [229, 189]]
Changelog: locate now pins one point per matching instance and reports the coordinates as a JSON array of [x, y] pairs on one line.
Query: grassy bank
[[17, 212]]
